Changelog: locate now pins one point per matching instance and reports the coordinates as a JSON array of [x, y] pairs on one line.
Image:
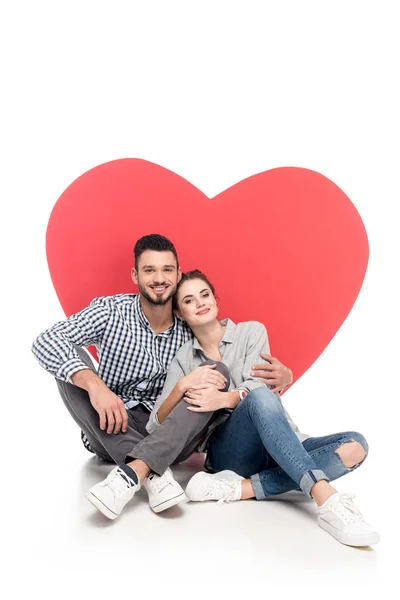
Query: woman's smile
[[203, 311]]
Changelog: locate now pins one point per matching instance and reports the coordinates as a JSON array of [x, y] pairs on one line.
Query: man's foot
[[163, 491], [340, 517], [224, 486], [111, 495]]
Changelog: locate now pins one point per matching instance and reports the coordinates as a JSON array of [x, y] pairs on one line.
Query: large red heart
[[285, 247]]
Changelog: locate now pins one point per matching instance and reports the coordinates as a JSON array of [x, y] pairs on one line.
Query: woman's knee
[[355, 436], [263, 399], [354, 451]]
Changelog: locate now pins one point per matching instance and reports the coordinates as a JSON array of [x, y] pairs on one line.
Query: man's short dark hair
[[156, 242]]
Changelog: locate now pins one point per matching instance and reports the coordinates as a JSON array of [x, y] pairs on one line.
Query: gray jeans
[[172, 442]]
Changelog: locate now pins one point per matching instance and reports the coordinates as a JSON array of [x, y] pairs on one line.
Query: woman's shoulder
[[250, 328]]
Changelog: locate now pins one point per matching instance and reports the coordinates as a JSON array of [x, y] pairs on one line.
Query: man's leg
[[148, 461], [177, 437], [174, 440], [110, 447]]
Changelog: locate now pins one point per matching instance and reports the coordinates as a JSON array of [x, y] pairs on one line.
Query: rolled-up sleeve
[[54, 349], [175, 373], [258, 343]]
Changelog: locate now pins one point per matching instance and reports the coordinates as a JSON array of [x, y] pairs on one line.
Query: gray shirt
[[240, 349]]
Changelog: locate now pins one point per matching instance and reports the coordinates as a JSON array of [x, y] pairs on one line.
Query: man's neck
[[159, 317]]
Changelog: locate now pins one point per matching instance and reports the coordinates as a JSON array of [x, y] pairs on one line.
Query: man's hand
[[273, 373], [205, 375], [111, 409], [204, 398]]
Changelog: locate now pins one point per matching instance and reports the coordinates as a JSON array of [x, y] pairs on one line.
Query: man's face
[[157, 276]]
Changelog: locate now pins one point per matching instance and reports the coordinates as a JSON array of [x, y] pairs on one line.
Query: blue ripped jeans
[[258, 442]]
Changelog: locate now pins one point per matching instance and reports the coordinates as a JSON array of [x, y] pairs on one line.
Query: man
[[137, 336]]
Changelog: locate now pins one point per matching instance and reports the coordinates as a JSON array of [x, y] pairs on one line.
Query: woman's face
[[196, 303]]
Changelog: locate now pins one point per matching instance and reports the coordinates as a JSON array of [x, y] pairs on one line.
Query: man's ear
[[134, 276], [179, 274]]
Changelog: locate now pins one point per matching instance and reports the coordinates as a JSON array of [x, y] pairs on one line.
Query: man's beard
[[158, 301]]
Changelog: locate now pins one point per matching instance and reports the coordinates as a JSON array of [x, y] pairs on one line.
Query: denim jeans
[[258, 442]]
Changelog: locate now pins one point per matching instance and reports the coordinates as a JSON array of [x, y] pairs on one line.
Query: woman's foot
[[224, 486], [340, 517]]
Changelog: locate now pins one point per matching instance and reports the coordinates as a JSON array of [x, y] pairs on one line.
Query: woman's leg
[[335, 455], [265, 412]]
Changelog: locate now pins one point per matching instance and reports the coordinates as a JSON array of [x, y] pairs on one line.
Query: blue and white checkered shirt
[[133, 360]]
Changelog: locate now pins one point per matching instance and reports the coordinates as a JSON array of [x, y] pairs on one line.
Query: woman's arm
[[171, 395], [171, 401], [253, 337], [177, 384]]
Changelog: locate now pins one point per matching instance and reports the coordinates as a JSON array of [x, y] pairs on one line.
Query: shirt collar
[[228, 335]]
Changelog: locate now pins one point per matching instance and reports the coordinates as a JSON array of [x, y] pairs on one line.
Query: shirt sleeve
[[256, 343], [54, 349], [175, 373]]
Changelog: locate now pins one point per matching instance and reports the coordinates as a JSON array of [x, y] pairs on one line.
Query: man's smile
[[159, 289]]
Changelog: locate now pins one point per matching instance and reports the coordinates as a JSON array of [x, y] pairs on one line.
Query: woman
[[255, 451]]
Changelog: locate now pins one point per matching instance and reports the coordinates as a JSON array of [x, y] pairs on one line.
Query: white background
[[215, 91]]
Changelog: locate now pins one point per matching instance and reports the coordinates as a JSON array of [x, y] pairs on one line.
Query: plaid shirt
[[133, 360]]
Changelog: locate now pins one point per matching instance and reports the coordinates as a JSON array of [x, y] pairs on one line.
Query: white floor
[[58, 546]]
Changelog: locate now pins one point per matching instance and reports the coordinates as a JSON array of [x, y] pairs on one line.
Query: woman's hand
[[205, 398], [206, 375]]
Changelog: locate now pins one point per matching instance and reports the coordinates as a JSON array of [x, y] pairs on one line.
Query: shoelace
[[120, 482], [159, 482], [226, 488], [347, 509]]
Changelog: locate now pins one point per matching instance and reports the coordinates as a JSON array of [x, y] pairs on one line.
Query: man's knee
[[182, 417], [353, 453]]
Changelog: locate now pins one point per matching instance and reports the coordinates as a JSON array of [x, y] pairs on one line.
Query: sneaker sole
[[169, 503], [369, 539], [97, 503]]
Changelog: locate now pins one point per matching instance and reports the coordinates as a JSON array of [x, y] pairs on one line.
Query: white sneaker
[[224, 486], [111, 495], [340, 517], [163, 491]]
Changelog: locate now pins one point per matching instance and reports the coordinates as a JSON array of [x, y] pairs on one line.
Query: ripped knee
[[352, 454]]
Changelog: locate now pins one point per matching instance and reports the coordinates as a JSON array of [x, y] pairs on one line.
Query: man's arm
[[54, 349], [273, 373]]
